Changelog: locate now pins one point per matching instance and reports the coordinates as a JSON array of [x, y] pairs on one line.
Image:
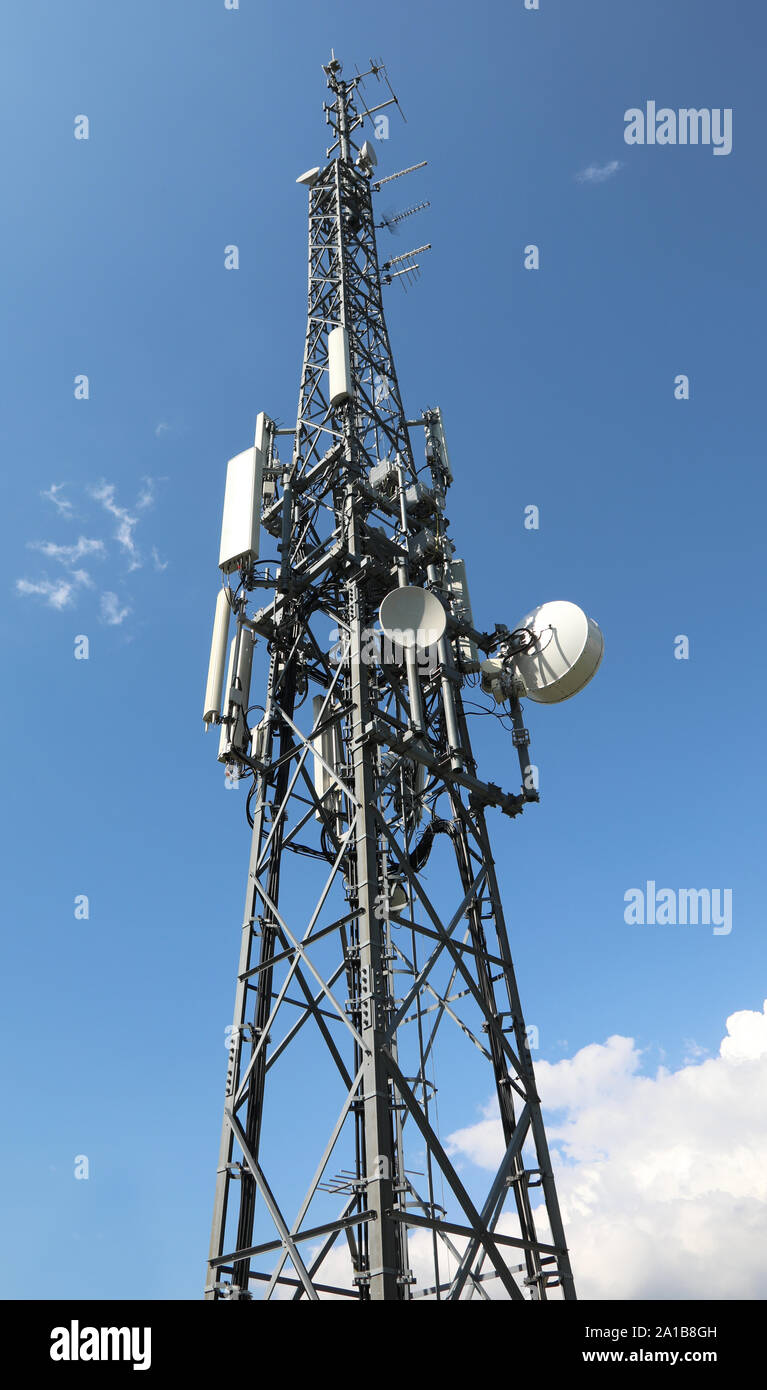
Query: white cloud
[[63, 507], [111, 612], [57, 593], [82, 577], [599, 173], [68, 554], [61, 593], [746, 1039], [147, 495], [662, 1179], [126, 523]]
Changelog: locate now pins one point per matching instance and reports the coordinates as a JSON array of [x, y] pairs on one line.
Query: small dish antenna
[[412, 618], [558, 650], [309, 178]]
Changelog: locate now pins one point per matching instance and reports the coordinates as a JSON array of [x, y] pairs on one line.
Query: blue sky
[[557, 388]]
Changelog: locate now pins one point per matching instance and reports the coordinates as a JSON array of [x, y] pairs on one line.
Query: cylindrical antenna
[[411, 659], [448, 693], [214, 687]]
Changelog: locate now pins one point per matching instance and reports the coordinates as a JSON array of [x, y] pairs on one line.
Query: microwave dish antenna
[[558, 651], [412, 617]]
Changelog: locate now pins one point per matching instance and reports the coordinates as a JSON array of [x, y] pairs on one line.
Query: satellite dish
[[309, 178], [563, 652], [412, 617]]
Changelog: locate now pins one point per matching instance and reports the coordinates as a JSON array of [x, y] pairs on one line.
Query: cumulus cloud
[[662, 1179], [599, 173], [111, 612]]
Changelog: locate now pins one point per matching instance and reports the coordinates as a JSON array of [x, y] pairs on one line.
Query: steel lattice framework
[[362, 976]]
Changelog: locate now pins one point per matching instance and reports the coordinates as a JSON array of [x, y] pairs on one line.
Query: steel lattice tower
[[356, 959]]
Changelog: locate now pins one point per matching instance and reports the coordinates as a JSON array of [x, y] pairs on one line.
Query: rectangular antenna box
[[241, 525], [339, 366]]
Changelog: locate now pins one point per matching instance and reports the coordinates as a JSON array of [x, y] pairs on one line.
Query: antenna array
[[375, 992]]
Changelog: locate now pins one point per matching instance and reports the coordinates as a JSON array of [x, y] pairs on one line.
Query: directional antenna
[[309, 178], [391, 221], [558, 651], [406, 256], [411, 271], [399, 175], [412, 618], [345, 118]]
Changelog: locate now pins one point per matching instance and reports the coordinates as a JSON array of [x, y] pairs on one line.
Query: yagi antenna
[[399, 175], [413, 271], [391, 222], [407, 270], [406, 256], [352, 120]]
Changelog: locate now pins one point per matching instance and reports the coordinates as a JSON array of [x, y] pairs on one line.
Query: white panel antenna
[[367, 156], [328, 746], [241, 523], [339, 366]]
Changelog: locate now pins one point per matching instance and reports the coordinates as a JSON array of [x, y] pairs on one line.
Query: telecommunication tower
[[376, 1000]]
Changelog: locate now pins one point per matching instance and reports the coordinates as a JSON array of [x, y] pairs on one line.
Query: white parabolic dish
[[565, 655], [413, 617]]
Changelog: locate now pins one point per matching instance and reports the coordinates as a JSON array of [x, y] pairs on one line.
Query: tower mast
[[356, 960]]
